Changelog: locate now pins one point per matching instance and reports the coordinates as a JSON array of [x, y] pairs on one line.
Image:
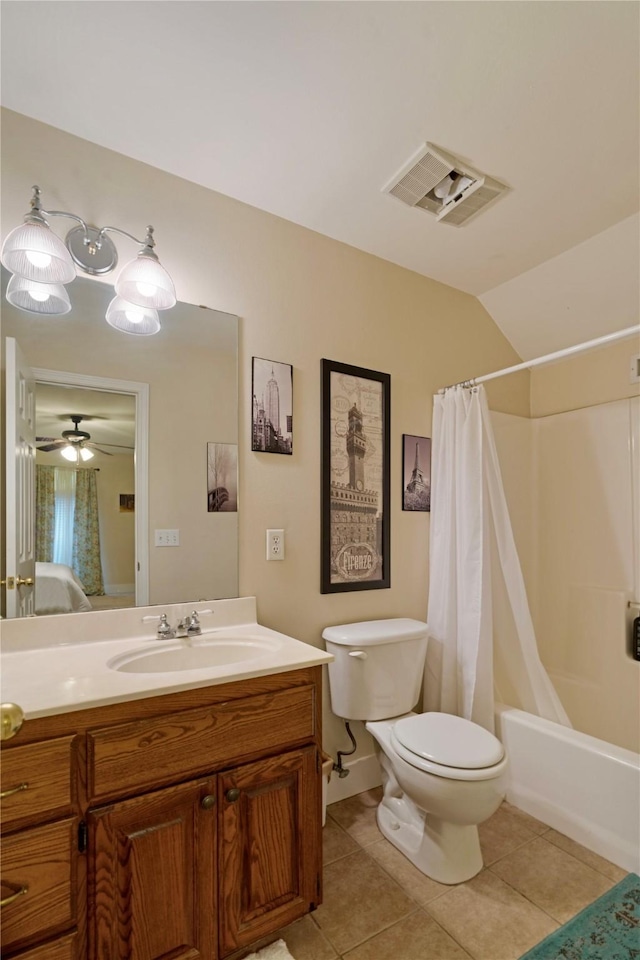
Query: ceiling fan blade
[[99, 449], [119, 446], [53, 446], [47, 439]]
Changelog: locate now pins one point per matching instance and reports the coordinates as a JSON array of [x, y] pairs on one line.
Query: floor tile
[[417, 938], [504, 832], [586, 856], [306, 941], [336, 842], [360, 900], [536, 826], [420, 888], [552, 879], [490, 919], [357, 815]]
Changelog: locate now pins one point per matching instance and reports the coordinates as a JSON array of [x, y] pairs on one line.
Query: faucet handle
[[165, 630], [193, 627]]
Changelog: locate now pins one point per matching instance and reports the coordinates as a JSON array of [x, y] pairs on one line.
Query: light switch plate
[[167, 538]]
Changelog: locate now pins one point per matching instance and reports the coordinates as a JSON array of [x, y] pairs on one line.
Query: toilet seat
[[448, 746]]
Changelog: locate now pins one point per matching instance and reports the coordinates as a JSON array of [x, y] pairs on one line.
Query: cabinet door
[[152, 876], [269, 846]]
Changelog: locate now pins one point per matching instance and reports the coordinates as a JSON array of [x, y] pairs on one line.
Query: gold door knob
[[11, 719], [24, 581], [208, 802], [232, 794]]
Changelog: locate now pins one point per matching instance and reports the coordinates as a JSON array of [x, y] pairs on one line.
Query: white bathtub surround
[[581, 786], [572, 481], [74, 661], [468, 512]]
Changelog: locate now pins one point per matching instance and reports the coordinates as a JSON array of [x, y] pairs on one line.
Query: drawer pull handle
[[208, 802], [11, 719], [10, 793], [232, 794], [18, 892]]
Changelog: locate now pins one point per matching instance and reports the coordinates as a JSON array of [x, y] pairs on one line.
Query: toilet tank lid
[[370, 632]]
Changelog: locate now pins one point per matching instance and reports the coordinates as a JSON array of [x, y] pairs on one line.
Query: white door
[[20, 568]]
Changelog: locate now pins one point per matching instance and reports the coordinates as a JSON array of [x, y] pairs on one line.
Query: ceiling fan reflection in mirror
[[74, 445]]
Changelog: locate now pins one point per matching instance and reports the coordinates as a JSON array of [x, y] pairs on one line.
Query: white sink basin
[[201, 654]]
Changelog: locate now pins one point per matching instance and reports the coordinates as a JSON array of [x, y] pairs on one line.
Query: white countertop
[[59, 664]]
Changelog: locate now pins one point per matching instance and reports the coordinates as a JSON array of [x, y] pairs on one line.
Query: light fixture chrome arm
[[147, 244]]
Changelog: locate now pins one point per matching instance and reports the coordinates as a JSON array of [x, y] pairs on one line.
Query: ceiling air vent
[[441, 185]]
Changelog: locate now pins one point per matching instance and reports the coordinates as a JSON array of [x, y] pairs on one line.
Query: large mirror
[[160, 415]]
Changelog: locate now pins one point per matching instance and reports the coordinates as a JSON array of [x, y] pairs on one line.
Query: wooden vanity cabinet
[[193, 826]]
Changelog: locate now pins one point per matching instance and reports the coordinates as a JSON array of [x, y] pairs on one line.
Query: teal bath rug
[[608, 929]]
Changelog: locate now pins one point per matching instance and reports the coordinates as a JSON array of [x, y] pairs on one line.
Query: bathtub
[[584, 787]]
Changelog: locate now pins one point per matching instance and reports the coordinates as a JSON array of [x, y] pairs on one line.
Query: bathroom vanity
[[182, 823]]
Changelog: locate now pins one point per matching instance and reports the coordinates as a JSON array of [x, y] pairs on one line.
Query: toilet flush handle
[[360, 654]]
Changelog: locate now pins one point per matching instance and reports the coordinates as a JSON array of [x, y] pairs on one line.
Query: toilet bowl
[[442, 775], [431, 810]]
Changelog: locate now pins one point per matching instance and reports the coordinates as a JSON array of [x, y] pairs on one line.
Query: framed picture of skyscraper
[[416, 473], [271, 406], [355, 508]]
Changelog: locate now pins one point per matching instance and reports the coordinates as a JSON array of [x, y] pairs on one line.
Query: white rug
[[275, 951]]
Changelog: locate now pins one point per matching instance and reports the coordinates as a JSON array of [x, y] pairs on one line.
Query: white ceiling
[[306, 109]]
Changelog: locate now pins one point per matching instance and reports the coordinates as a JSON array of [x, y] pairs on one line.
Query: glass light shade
[[47, 299], [34, 252], [145, 282], [131, 318], [70, 453], [86, 454]]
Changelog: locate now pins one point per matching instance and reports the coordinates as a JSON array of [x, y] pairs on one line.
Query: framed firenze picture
[[355, 478]]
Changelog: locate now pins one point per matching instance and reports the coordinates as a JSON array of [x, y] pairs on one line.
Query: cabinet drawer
[[37, 782], [39, 861], [64, 948], [151, 753]]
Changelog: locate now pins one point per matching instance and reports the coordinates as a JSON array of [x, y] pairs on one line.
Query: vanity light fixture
[[42, 263]]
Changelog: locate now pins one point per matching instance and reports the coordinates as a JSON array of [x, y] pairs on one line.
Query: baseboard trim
[[364, 774]]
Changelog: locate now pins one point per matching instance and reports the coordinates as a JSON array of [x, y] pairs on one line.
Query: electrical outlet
[[275, 544], [167, 538]]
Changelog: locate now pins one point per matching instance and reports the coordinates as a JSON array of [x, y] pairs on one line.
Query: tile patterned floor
[[378, 906]]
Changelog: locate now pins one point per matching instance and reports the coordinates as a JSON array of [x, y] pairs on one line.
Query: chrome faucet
[[193, 625], [165, 630]]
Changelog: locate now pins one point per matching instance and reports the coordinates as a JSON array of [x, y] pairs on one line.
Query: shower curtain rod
[[558, 355]]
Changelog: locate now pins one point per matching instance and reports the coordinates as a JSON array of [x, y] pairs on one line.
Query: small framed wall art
[[222, 478], [355, 478], [271, 406], [416, 473]]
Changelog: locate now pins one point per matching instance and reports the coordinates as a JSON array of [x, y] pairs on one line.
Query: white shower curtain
[[472, 557]]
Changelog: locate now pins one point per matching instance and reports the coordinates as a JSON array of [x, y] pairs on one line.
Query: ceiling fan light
[[86, 454], [48, 299], [130, 318], [34, 252], [145, 282], [70, 453]]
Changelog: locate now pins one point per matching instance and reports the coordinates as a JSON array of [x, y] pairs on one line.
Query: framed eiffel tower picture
[[416, 473]]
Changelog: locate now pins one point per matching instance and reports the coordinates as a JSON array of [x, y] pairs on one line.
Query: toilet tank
[[377, 668]]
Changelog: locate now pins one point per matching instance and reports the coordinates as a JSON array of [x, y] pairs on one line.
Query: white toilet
[[442, 775]]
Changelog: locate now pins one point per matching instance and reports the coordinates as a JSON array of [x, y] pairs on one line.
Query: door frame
[[140, 391]]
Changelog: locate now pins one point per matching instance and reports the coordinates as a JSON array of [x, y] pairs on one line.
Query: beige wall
[[595, 377], [300, 296], [117, 528]]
